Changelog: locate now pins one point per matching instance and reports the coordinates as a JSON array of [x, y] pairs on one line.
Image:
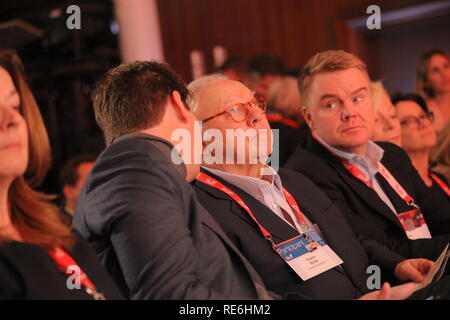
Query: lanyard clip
[[269, 238], [413, 204]]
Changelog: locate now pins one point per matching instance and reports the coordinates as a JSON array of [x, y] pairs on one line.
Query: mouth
[[352, 129], [394, 139], [14, 145]]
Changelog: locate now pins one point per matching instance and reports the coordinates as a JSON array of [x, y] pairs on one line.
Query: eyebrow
[[335, 96], [234, 100]]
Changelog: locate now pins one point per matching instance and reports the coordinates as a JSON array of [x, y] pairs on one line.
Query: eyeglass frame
[[258, 100], [418, 121]]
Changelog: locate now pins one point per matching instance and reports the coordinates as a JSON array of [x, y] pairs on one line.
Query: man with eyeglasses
[[374, 184], [294, 236]]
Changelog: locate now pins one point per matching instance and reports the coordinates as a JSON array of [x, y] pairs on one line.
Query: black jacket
[[336, 283], [146, 225], [28, 272], [367, 214]]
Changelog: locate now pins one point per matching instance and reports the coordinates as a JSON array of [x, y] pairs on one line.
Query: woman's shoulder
[[27, 271]]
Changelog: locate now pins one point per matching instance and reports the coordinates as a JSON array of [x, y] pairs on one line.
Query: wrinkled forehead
[[217, 96]]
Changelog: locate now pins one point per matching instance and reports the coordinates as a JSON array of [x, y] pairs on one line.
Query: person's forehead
[[226, 92], [408, 107], [438, 59], [342, 81]]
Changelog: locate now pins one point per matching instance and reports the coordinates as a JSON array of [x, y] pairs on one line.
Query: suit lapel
[[366, 194], [328, 222], [279, 229]]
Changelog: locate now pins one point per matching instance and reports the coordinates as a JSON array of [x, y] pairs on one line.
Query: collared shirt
[[268, 190], [368, 164]]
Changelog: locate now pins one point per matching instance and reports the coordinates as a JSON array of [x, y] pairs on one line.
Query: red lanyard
[[358, 174], [210, 181], [64, 261], [440, 183]]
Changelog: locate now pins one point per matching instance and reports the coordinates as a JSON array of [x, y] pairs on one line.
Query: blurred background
[[196, 37]]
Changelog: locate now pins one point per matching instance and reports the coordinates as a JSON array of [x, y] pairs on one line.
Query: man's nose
[[254, 116], [348, 111]]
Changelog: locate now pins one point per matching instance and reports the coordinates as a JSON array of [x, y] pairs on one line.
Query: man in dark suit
[[374, 184], [259, 208], [137, 209]]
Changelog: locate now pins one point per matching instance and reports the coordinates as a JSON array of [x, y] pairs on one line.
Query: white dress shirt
[[268, 190], [368, 164]]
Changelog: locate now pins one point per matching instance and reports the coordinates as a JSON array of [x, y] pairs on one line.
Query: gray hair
[[197, 84]]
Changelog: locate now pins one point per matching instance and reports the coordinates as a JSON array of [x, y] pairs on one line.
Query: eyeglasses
[[416, 122], [239, 111]]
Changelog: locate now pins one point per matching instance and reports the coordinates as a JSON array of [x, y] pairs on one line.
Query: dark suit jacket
[[150, 232], [336, 283], [28, 272], [365, 211]]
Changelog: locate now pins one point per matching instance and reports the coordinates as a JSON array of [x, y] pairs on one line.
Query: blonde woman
[[433, 83], [387, 126]]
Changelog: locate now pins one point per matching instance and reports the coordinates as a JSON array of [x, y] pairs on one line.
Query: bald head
[[216, 96]]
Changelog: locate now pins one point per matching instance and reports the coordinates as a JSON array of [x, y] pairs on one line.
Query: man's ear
[[180, 109], [307, 116]]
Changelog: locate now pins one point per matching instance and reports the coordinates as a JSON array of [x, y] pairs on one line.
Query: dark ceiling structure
[[62, 67]]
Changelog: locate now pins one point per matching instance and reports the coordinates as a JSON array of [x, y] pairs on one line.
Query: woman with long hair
[[433, 83], [40, 257]]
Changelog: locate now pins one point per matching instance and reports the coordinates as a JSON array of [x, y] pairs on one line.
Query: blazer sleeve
[[139, 205]]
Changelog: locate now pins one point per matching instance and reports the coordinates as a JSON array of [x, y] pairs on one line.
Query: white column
[[139, 30]]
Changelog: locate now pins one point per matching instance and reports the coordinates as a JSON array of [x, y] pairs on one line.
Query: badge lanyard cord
[[64, 261], [356, 172], [204, 178]]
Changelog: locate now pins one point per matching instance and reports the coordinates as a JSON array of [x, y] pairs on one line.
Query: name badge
[[414, 224], [308, 255]]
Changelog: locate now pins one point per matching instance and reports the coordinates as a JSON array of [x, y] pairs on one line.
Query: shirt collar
[[272, 178], [369, 162]]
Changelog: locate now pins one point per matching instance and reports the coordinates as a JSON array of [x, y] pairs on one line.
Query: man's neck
[[360, 150], [248, 170], [420, 160]]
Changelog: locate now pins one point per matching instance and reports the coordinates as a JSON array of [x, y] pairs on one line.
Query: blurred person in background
[[387, 125], [419, 139], [284, 114], [36, 247], [433, 83], [440, 156], [71, 180], [235, 68], [263, 70]]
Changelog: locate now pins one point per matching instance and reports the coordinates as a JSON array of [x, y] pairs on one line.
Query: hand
[[413, 269], [400, 292], [383, 294]]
